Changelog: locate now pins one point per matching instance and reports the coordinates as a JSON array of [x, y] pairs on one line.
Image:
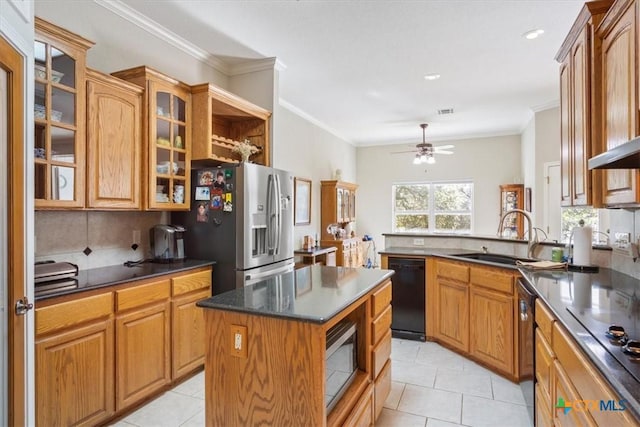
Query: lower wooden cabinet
[[362, 414], [98, 355], [143, 353], [74, 376], [491, 328], [452, 325]]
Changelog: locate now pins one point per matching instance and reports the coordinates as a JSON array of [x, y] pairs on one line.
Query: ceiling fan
[[426, 150]]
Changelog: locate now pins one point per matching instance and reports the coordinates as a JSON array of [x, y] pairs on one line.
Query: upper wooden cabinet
[[59, 116], [167, 139], [620, 120], [221, 120], [338, 203], [580, 103], [512, 197], [114, 142]]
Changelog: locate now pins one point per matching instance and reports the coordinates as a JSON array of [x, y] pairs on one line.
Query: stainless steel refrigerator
[[241, 217]]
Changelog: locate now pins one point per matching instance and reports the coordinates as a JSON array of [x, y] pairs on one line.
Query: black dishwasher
[[408, 298]]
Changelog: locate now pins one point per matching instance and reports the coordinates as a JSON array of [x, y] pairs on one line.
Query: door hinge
[[22, 306]]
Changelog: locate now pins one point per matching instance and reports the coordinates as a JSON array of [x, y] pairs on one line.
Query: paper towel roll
[[582, 245]]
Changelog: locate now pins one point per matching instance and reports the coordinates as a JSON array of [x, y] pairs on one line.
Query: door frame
[[20, 342]]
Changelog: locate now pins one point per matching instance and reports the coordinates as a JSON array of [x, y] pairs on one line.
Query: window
[[436, 207], [571, 218]]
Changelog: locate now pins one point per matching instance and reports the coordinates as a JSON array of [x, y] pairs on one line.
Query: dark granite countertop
[[113, 275], [313, 294], [604, 295]]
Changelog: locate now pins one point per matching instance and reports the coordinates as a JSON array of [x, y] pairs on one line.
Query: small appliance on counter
[[167, 243]]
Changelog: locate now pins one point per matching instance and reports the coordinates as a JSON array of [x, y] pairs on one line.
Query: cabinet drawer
[[563, 388], [381, 353], [492, 279], [381, 325], [452, 271], [381, 299], [587, 381], [190, 282], [543, 413], [544, 320], [362, 415], [139, 295], [71, 313], [544, 363], [382, 389]]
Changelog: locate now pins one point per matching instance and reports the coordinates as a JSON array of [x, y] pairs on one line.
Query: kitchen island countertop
[[313, 294]]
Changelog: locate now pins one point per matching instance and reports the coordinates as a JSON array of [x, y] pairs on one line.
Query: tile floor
[[432, 387]]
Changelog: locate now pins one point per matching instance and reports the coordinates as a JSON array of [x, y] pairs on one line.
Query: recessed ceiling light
[[432, 76], [532, 34]]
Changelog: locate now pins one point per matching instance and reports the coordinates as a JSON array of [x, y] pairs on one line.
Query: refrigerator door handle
[[271, 214], [264, 274], [278, 214]]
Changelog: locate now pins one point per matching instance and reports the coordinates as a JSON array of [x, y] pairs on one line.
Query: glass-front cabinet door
[[169, 143], [59, 110]]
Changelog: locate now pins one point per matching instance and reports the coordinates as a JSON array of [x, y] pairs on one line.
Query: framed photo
[[527, 199], [302, 201]]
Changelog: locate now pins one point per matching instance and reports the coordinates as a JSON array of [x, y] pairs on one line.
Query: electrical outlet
[[238, 341], [136, 237], [418, 242]]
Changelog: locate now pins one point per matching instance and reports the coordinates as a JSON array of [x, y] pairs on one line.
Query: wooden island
[[266, 347]]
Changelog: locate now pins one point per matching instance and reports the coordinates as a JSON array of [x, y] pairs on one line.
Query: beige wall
[[488, 162]]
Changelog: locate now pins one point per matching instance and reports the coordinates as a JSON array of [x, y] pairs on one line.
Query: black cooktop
[[612, 317]]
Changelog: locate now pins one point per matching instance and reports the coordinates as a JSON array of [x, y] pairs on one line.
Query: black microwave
[[341, 361]]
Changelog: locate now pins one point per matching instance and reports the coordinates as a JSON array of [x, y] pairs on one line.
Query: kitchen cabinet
[[349, 252], [620, 107], [338, 203], [187, 321], [381, 338], [74, 344], [99, 353], [452, 309], [580, 104], [166, 139], [512, 197], [142, 341], [114, 142], [59, 117], [564, 372], [222, 120]]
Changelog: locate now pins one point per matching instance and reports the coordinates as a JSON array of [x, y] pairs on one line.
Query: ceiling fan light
[[416, 160], [423, 158], [431, 160]]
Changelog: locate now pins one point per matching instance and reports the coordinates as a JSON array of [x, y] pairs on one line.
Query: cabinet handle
[[524, 316]]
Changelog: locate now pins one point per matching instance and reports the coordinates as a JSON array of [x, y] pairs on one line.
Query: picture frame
[[527, 199], [302, 201]]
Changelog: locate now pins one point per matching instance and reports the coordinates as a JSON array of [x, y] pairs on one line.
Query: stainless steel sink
[[495, 258]]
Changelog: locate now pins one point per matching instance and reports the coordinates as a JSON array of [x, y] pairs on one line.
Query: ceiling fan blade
[[443, 152], [443, 147], [403, 152]]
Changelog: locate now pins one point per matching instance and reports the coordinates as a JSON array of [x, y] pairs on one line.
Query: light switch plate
[[238, 341], [418, 242]]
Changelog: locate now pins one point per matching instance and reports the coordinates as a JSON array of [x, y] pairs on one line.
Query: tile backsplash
[[64, 235]]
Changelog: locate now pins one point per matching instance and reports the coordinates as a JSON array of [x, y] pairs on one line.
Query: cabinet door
[[491, 328], [75, 376], [169, 147], [563, 391], [59, 117], [339, 205], [453, 314], [187, 341], [113, 144], [565, 134], [352, 205], [620, 107], [581, 125], [143, 353]]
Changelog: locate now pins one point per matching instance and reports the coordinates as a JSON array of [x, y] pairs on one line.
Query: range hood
[[624, 156]]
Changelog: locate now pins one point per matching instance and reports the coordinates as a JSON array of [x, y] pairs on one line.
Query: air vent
[[444, 111]]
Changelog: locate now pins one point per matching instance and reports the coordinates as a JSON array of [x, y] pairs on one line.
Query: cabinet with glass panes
[[167, 138], [512, 197], [59, 111]]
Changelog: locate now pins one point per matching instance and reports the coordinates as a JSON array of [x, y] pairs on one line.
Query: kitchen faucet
[[531, 240]]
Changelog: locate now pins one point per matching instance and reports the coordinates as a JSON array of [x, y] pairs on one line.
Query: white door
[[552, 211]]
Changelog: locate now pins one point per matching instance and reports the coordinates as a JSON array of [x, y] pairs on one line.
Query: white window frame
[[431, 211]]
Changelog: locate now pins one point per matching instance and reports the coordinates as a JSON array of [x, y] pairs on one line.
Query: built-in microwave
[[341, 361]]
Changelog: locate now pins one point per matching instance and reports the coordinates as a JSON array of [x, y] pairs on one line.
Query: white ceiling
[[357, 66]]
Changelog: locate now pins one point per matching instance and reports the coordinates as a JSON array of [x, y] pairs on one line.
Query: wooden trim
[[588, 10], [13, 63], [62, 34], [234, 101]]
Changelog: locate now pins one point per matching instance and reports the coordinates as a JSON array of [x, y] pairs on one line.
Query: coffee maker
[[167, 242]]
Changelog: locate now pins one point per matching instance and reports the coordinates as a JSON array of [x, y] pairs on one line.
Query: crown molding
[[546, 106], [152, 27], [257, 65], [308, 117]]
